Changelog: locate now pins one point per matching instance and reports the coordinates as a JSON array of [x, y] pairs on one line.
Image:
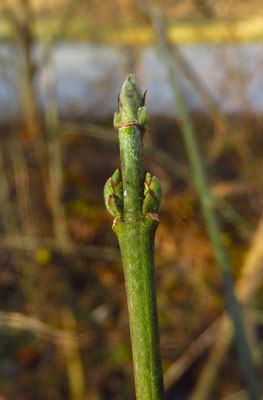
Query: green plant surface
[[135, 210]]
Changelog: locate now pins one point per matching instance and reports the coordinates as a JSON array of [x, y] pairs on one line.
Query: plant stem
[[208, 207], [135, 232], [131, 166], [136, 239]]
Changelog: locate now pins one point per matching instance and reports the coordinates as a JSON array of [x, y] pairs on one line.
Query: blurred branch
[[13, 320], [21, 173], [55, 162], [193, 351], [23, 19], [209, 374], [72, 355], [31, 243], [247, 286], [223, 128], [6, 210], [241, 395], [245, 358], [161, 157]]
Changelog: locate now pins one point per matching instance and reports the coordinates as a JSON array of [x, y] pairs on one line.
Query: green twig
[[134, 200]]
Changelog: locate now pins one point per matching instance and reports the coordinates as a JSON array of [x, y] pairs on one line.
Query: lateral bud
[[152, 194], [113, 195]]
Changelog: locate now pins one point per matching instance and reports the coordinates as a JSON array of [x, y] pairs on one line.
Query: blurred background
[[63, 319]]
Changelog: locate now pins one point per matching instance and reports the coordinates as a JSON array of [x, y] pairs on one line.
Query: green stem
[[136, 239], [131, 167], [135, 231]]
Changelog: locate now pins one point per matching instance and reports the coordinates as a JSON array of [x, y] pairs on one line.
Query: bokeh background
[[63, 319]]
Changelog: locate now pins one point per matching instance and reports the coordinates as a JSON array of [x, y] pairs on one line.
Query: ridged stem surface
[[132, 170], [135, 224], [136, 239]]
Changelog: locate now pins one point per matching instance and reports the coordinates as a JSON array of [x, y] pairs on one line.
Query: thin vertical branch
[[200, 180], [6, 210], [223, 128], [209, 374], [55, 162], [247, 286], [22, 186], [71, 351], [22, 19]]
